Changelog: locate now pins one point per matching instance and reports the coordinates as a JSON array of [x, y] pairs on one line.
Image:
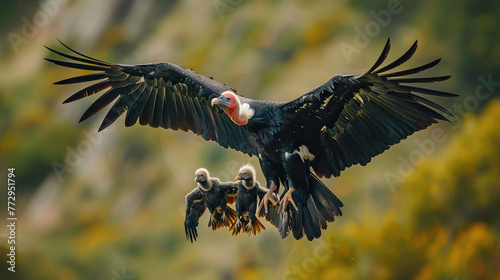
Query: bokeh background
[[111, 205]]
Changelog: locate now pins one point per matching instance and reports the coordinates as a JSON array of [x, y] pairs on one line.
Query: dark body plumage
[[215, 196], [249, 191], [343, 122], [246, 208]]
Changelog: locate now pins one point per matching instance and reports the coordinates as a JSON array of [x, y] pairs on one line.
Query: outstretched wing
[[160, 95], [195, 207], [356, 117]]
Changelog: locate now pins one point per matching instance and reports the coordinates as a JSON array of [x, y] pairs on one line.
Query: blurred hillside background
[[111, 205]]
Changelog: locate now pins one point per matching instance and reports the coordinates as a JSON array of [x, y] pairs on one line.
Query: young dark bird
[[348, 120], [249, 190], [214, 195]]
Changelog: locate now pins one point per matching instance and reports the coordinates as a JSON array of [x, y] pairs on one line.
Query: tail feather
[[297, 217], [322, 206], [257, 226], [315, 209], [216, 221], [320, 211], [317, 222], [296, 224], [241, 225], [311, 225], [212, 222], [230, 216], [324, 196], [284, 224]]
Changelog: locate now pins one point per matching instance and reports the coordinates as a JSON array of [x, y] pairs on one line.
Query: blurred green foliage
[[100, 206]]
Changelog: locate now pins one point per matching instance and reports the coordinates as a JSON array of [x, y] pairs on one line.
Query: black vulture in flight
[[345, 121]]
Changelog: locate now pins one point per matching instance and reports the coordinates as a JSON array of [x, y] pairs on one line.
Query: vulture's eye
[[228, 98]]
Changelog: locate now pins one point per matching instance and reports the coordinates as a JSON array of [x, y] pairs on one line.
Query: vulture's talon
[[268, 197], [248, 227], [237, 224], [287, 198]]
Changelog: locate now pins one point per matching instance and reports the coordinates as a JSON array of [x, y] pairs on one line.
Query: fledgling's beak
[[237, 178], [214, 101], [197, 179]]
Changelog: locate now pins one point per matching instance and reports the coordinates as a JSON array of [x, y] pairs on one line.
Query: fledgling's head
[[246, 173], [201, 175]]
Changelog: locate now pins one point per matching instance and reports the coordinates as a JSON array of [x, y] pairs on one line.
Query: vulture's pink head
[[226, 100], [230, 103]]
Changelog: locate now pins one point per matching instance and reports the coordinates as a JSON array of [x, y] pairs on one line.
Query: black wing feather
[[133, 114], [77, 65], [88, 91], [159, 94], [381, 58], [404, 58], [100, 103], [82, 79], [85, 60], [122, 105], [413, 70], [357, 117], [195, 207], [147, 113]]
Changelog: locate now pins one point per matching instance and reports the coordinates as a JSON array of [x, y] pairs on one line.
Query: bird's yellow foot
[[236, 227], [248, 227]]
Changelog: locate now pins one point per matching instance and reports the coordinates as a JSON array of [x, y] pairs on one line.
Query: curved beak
[[214, 101], [237, 178], [196, 180]]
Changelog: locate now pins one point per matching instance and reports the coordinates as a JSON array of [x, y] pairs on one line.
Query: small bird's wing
[[356, 117], [231, 191], [195, 207], [158, 94]]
